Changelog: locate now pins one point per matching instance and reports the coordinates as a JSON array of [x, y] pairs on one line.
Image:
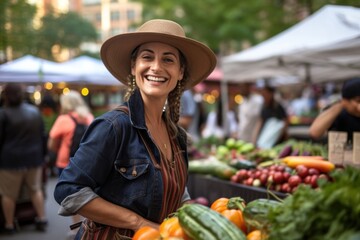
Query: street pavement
[[58, 226]]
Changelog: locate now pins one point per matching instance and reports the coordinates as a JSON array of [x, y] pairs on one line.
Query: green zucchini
[[202, 223], [242, 164], [213, 167], [256, 213]]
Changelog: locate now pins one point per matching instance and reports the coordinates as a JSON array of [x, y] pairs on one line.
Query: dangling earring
[[179, 87], [133, 82]]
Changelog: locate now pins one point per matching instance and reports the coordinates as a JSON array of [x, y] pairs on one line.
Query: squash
[[213, 167], [202, 223], [256, 214]]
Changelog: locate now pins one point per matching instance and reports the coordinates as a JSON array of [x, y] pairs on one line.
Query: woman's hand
[[143, 222]]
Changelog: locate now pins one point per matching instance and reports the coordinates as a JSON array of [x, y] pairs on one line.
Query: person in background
[[131, 168], [215, 125], [248, 112], [343, 115], [271, 110], [190, 115], [22, 155], [73, 105]]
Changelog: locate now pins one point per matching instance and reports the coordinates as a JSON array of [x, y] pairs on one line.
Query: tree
[[67, 30], [227, 26], [16, 28]]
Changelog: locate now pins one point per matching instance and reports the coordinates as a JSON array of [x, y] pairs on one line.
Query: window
[[115, 16], [130, 14]]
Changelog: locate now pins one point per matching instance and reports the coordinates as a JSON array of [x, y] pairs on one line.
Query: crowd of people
[[130, 170]]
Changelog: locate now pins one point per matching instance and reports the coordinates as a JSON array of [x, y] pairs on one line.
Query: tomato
[[170, 227], [146, 233], [231, 209]]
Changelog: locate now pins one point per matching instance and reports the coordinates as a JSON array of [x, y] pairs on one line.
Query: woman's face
[[157, 69]]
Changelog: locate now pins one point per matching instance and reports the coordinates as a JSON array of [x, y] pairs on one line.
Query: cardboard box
[[340, 152]]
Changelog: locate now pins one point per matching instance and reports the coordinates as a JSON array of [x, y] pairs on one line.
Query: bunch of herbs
[[331, 212]]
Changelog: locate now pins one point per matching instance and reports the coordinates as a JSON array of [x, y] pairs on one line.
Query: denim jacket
[[113, 162]]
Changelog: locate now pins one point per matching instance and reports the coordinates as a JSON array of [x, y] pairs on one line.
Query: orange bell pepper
[[232, 209]]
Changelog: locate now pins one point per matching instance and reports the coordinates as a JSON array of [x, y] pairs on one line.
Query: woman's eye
[[146, 57], [170, 60]]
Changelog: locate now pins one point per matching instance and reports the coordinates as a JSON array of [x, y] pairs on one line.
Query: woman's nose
[[156, 65]]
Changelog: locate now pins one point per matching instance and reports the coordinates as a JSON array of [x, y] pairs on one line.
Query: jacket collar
[[136, 110]]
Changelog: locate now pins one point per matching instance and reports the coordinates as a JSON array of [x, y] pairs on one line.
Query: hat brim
[[116, 54]]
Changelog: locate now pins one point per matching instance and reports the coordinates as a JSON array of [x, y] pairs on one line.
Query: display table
[[213, 188]]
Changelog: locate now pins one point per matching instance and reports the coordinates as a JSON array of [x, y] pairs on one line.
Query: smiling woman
[[131, 168]]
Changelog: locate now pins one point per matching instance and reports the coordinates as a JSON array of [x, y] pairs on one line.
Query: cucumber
[[256, 213], [202, 223], [242, 164], [213, 167]]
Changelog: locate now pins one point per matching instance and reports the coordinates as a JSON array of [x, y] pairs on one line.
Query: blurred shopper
[[271, 128], [343, 115], [190, 115], [22, 155], [72, 105], [216, 126], [248, 112]]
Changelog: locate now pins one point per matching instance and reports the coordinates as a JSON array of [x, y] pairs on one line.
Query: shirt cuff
[[71, 204]]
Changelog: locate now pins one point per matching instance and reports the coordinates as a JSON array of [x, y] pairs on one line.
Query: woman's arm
[[324, 120], [102, 211]]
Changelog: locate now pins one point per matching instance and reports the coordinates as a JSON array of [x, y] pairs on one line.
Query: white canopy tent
[[90, 70], [30, 69], [81, 70], [323, 47]]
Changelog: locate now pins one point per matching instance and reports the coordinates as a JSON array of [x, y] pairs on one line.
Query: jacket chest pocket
[[132, 179], [132, 171]]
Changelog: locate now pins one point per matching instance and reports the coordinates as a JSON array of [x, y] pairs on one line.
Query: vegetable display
[[331, 212], [201, 223]]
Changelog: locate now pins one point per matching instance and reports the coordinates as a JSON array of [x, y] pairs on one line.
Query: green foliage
[[225, 26], [16, 27], [17, 31], [67, 30], [331, 212]]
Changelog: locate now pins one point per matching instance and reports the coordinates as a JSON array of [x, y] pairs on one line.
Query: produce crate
[[213, 188]]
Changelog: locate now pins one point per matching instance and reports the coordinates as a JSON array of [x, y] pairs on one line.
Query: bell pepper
[[170, 227], [232, 209]]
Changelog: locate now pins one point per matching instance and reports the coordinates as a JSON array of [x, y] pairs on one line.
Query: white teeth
[[156, 79]]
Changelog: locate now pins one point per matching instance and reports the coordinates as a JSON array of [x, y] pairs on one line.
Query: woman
[[131, 168], [73, 108]]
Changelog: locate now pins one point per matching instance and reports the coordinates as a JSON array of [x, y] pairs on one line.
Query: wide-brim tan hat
[[116, 51]]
